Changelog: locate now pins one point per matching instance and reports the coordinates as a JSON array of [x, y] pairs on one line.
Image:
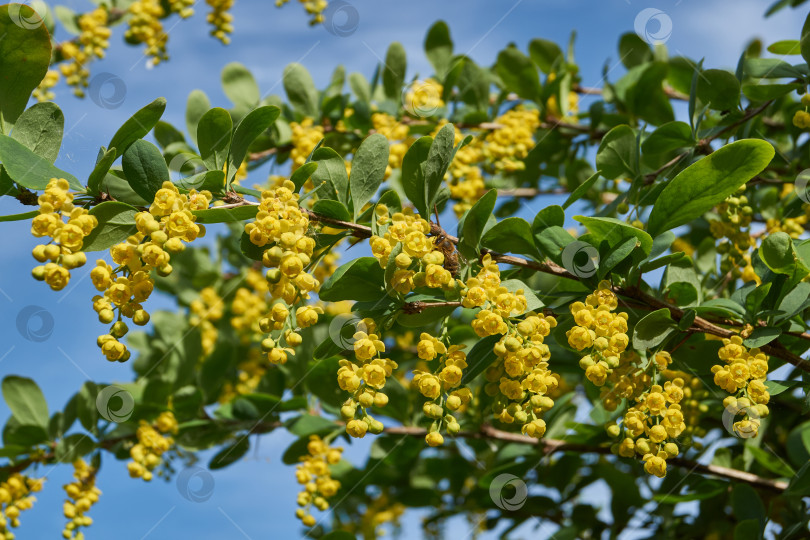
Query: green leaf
[[249, 128], [804, 42], [766, 92], [240, 86], [301, 90], [518, 73], [785, 47], [116, 222], [25, 53], [137, 126], [546, 54], [196, 106], [214, 138], [360, 87], [770, 68], [145, 169], [438, 160], [393, 73], [20, 217], [301, 175], [549, 216], [793, 301], [26, 401], [332, 172], [308, 424], [642, 92], [226, 215], [615, 231], [72, 447], [480, 358], [39, 128], [780, 256], [800, 484], [439, 48], [707, 182], [28, 169], [671, 136], [719, 89], [368, 170], [617, 153], [580, 191], [210, 180], [100, 171], [361, 279], [413, 174], [770, 461], [653, 329], [511, 235], [230, 454], [633, 50], [474, 222], [332, 209]]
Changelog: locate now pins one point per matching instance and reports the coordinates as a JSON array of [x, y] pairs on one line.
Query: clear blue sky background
[[255, 498]]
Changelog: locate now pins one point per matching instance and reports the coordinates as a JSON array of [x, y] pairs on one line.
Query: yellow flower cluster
[[183, 7], [733, 229], [205, 310], [424, 98], [249, 375], [313, 473], [305, 136], [419, 262], [145, 27], [802, 118], [161, 231], [465, 179], [509, 144], [553, 111], [91, 43], [600, 332], [249, 306], [67, 237], [44, 91], [380, 511], [151, 445], [16, 496], [694, 392], [282, 224], [82, 495], [743, 376], [220, 19], [364, 378], [649, 428], [442, 386], [315, 8], [396, 132]]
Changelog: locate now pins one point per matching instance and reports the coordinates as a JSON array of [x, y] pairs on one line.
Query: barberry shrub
[[656, 346]]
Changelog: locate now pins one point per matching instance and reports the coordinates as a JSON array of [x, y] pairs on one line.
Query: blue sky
[[258, 493]]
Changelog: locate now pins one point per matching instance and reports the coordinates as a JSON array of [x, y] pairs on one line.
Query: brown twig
[[550, 446]]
